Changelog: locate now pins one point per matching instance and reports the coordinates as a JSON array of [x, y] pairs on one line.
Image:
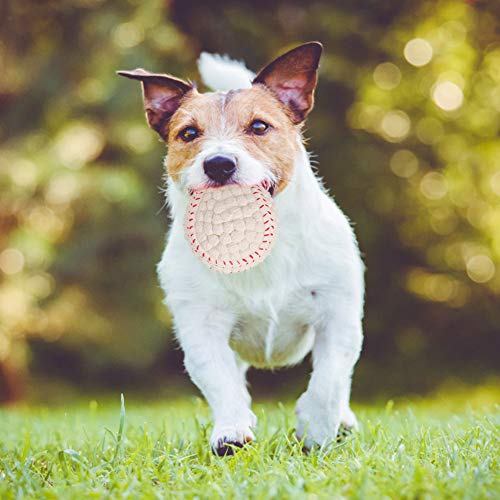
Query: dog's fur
[[307, 295]]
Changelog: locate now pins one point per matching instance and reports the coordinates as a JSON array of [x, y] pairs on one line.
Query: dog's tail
[[221, 73]]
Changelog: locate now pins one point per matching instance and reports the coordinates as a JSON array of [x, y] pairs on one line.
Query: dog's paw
[[317, 424], [225, 446], [348, 421], [227, 438], [344, 432]]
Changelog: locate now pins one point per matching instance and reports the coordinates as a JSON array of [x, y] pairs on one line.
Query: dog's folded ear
[[162, 96], [292, 78]]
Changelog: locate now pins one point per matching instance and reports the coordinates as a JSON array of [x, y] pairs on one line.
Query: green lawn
[[439, 448]]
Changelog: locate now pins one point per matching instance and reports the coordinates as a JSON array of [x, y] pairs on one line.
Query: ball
[[231, 228]]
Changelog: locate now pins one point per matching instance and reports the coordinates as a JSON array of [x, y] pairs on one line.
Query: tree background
[[406, 136]]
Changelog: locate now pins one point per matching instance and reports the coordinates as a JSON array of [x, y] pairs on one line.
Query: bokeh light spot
[[443, 221], [435, 287], [387, 76], [78, 144], [395, 125], [447, 95], [128, 35], [477, 213], [11, 261], [91, 90], [41, 285], [139, 139], [46, 222], [418, 52], [404, 163], [480, 268], [433, 186], [114, 188], [429, 130], [62, 188], [24, 173]]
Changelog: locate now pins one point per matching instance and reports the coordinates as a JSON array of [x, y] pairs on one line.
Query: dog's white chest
[[264, 344], [275, 332]]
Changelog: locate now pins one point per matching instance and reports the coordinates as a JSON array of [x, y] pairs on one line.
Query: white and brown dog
[[308, 294]]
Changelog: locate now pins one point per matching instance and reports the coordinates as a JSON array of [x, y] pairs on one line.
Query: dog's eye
[[259, 127], [189, 134]]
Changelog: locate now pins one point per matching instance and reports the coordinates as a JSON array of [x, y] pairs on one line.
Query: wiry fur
[[306, 296]]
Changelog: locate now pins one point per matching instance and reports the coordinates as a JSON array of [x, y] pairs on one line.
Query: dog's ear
[[162, 95], [292, 78]]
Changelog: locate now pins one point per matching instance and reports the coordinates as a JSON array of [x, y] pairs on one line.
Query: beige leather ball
[[231, 228]]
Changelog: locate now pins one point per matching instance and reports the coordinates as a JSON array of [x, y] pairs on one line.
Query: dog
[[308, 295]]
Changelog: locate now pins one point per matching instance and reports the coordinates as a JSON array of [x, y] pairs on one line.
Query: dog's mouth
[[266, 184]]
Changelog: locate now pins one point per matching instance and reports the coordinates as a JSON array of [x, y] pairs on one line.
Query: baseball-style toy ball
[[231, 228]]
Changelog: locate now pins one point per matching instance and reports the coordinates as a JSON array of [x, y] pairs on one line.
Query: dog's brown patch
[[228, 116], [197, 110]]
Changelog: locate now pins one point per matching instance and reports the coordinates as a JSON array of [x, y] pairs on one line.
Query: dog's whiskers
[[163, 191]]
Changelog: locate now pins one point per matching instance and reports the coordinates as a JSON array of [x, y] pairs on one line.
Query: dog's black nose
[[219, 168]]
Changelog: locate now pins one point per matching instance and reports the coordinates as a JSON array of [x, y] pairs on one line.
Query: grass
[[439, 448]]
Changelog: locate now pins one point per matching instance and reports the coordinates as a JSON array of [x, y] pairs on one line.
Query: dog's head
[[249, 136]]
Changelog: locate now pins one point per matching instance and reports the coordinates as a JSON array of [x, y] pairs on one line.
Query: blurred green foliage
[[405, 130]]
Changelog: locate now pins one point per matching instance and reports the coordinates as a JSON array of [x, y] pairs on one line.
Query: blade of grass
[[120, 430]]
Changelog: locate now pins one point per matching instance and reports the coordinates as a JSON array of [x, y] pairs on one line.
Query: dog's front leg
[[213, 366], [325, 404]]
